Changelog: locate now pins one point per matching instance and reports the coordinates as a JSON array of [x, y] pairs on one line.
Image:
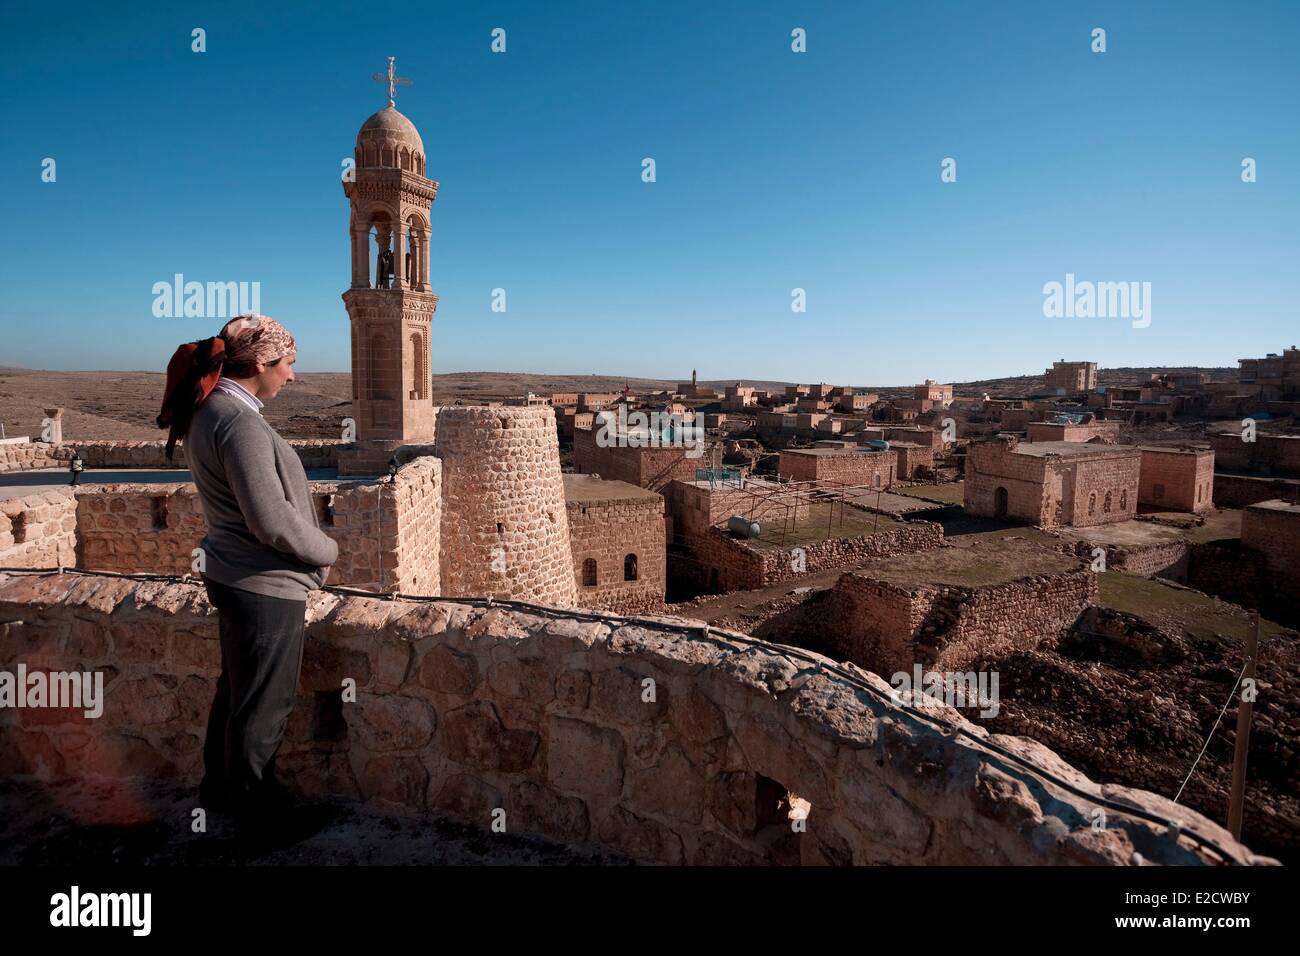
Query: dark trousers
[[261, 659]]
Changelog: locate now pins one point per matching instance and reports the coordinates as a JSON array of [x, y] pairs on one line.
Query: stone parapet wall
[[39, 530], [21, 456], [505, 529], [652, 739], [26, 455], [388, 532]]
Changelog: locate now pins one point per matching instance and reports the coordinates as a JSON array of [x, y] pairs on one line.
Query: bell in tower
[[389, 304]]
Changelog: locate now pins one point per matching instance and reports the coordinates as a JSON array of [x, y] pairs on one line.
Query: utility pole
[[1245, 710]]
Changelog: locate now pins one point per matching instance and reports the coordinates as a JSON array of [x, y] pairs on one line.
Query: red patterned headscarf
[[196, 367], [256, 338]]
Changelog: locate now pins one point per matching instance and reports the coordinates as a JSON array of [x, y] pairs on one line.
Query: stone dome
[[390, 139]]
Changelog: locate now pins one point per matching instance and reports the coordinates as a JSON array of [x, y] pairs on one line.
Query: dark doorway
[[1000, 503]]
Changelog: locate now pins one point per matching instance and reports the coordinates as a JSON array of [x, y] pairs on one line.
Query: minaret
[[390, 303]]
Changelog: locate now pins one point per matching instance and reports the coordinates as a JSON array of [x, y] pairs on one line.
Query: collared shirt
[[231, 387]]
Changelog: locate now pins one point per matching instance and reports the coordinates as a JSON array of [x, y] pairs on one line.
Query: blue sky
[[775, 170]]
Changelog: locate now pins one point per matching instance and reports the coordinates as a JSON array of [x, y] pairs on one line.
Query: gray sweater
[[263, 535]]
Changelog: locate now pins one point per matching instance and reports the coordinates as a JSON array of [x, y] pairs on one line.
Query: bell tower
[[390, 304]]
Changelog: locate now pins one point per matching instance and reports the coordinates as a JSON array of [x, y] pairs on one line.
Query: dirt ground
[[122, 405]]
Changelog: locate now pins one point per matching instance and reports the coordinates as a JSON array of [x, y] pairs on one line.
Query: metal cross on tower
[[392, 79]]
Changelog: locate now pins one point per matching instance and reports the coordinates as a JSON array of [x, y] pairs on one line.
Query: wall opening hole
[[159, 510], [20, 527], [327, 718]]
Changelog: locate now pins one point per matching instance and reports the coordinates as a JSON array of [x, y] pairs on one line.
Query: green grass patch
[[1201, 616]]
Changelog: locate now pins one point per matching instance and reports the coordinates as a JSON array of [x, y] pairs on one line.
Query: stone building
[[1268, 455], [1099, 431], [1072, 376], [693, 389], [1273, 529], [739, 397], [391, 305], [618, 540], [932, 391], [647, 467], [914, 461], [850, 466], [1051, 484], [1177, 479], [1275, 376]]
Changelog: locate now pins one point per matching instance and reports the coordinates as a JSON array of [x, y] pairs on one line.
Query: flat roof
[[18, 484], [583, 488], [1074, 449], [1277, 504], [980, 565], [848, 452], [1177, 449]]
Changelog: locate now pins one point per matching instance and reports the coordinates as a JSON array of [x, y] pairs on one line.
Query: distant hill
[[122, 405]]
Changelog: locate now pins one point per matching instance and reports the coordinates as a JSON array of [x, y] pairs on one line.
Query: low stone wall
[[388, 532], [1239, 491], [1228, 570], [886, 627], [654, 740], [22, 456], [723, 563], [1168, 560], [38, 530]]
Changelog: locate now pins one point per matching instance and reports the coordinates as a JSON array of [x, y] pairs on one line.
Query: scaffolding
[[784, 497]]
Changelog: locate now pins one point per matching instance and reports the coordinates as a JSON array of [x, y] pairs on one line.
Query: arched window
[[629, 568], [1106, 504], [388, 156], [1092, 503], [589, 573]]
